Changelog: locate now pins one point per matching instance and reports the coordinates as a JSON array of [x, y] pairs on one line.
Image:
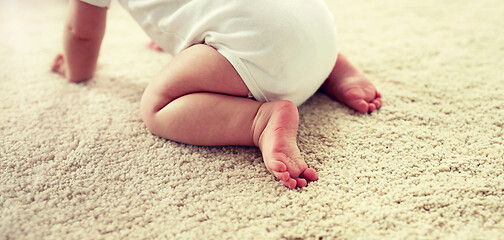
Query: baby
[[239, 71]]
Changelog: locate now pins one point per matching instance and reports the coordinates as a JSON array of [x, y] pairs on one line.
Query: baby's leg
[[199, 98], [346, 84]]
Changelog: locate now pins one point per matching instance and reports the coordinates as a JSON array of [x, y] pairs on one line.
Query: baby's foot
[[347, 85], [358, 92], [277, 141]]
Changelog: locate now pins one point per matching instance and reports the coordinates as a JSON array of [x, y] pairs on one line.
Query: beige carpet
[[76, 161]]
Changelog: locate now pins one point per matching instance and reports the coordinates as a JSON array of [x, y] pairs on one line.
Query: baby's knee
[[147, 115], [148, 109], [153, 124]]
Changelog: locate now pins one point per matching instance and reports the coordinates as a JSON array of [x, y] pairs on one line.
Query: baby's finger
[[58, 61]]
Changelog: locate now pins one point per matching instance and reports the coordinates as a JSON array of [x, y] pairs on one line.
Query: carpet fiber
[[76, 161]]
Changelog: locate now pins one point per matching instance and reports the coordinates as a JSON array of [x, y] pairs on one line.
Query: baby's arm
[[83, 34]]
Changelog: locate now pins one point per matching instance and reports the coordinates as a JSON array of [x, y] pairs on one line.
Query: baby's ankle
[[267, 111]]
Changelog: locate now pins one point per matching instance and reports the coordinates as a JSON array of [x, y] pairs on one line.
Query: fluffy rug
[[76, 161]]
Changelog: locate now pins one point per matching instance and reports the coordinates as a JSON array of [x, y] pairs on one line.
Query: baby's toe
[[284, 176], [291, 183], [372, 107], [377, 94], [359, 105], [377, 103], [276, 166], [310, 174], [301, 182]]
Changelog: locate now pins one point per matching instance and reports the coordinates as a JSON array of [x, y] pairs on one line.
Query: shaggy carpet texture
[[76, 161]]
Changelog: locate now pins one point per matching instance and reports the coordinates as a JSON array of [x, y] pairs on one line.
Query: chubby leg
[[198, 98], [349, 86]]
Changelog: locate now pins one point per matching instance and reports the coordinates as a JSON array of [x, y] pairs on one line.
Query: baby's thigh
[[199, 68]]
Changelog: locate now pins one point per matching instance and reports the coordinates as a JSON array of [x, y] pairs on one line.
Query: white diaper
[[282, 49]]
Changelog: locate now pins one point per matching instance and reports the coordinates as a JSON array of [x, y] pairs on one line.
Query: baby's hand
[[58, 65], [154, 46]]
